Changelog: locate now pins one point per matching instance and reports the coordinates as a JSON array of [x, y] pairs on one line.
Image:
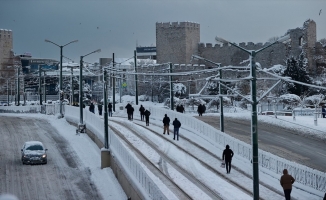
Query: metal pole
[[120, 88], [221, 104], [171, 90], [72, 88], [61, 114], [106, 128], [44, 87], [254, 127], [18, 94], [113, 85], [81, 90], [39, 84], [7, 92], [136, 82]]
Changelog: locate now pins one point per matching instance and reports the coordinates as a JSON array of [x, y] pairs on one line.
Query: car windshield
[[34, 147]]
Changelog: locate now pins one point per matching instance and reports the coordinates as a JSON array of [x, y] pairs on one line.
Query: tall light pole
[[60, 86], [81, 126], [254, 125]]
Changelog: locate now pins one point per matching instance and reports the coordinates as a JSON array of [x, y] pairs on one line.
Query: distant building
[[177, 42]]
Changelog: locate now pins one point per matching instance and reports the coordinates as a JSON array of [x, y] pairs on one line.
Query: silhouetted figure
[[182, 109], [147, 114], [129, 110], [227, 157], [142, 112], [166, 124], [99, 107], [323, 112], [177, 124], [110, 109], [92, 108]]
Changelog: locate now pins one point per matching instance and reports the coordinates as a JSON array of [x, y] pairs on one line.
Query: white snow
[[89, 154]]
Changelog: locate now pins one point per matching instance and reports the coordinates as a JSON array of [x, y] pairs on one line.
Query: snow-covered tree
[[296, 69], [179, 89], [291, 100], [314, 100]]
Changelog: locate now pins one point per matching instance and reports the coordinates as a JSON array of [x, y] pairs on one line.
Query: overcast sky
[[116, 26]]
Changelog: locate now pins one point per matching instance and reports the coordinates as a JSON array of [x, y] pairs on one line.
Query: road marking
[[320, 153]]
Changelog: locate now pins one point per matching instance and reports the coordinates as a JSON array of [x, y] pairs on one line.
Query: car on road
[[33, 152]]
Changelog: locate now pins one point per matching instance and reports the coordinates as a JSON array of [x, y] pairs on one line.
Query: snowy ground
[[104, 178]]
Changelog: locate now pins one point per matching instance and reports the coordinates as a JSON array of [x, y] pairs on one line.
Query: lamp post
[[254, 127], [81, 126], [60, 86]]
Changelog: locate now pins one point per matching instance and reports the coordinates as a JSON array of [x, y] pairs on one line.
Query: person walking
[[323, 112], [166, 124], [142, 112], [200, 110], [99, 107], [227, 157], [110, 109], [286, 182], [92, 108], [176, 124], [129, 110], [147, 114]]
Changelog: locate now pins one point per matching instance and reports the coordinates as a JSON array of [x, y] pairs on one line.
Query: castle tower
[[176, 42], [6, 46], [309, 46]]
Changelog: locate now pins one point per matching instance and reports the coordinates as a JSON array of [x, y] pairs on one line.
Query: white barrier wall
[[126, 160]]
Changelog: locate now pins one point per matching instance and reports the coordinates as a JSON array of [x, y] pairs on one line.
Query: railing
[[269, 163], [125, 158]]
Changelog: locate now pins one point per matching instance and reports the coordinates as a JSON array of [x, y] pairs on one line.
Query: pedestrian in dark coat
[[182, 109], [142, 112], [110, 109], [200, 110], [177, 108], [147, 114], [176, 124], [92, 108], [166, 124], [99, 107], [227, 157], [323, 112], [324, 197], [132, 113], [286, 182], [129, 110]]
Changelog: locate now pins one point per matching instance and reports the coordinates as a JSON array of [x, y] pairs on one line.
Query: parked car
[[33, 152]]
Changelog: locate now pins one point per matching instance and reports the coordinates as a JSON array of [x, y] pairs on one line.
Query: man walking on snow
[[227, 157], [166, 124]]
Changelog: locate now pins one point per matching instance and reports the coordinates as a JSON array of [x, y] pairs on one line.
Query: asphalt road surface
[[60, 179], [279, 141]]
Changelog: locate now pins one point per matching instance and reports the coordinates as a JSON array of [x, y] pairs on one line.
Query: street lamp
[[61, 46], [254, 127], [81, 125]]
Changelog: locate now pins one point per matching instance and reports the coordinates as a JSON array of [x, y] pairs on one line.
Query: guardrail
[[269, 163]]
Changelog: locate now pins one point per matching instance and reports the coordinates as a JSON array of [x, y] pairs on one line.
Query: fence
[[269, 163]]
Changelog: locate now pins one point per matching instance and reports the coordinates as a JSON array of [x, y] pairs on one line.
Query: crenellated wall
[[177, 42], [6, 46]]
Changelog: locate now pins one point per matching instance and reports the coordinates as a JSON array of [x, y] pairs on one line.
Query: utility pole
[[171, 89], [221, 104], [44, 87], [136, 81], [39, 84], [113, 84]]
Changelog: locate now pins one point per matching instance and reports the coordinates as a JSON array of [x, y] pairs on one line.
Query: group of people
[[286, 180], [176, 126], [144, 114], [100, 108], [201, 109]]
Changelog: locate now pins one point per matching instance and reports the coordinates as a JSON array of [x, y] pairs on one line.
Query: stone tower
[[176, 42], [6, 46]]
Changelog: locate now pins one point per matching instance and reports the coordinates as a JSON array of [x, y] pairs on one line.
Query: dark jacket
[[110, 107], [99, 107], [166, 120], [227, 153], [147, 113], [176, 123], [286, 180], [91, 107], [141, 110]]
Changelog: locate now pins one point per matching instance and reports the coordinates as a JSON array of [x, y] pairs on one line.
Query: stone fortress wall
[[6, 46], [175, 43]]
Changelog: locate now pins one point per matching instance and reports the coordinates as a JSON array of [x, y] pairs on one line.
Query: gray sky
[[116, 26]]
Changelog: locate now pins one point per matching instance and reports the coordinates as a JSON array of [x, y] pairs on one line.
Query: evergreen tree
[[296, 69]]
